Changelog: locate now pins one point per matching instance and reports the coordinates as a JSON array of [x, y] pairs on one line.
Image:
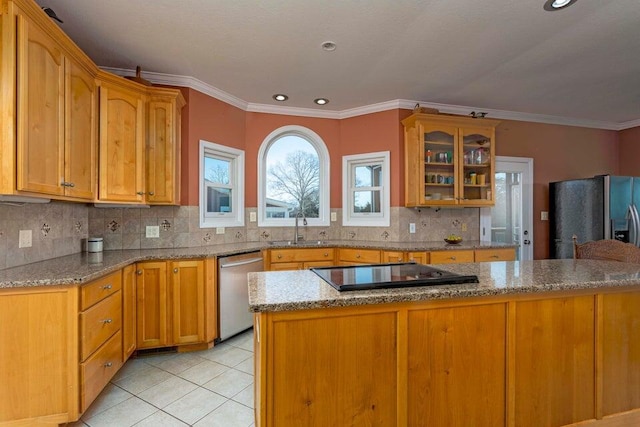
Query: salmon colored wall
[[206, 118], [260, 125], [630, 152], [559, 153], [371, 133]]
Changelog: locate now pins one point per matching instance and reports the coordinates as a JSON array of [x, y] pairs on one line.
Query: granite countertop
[[300, 290], [83, 267]]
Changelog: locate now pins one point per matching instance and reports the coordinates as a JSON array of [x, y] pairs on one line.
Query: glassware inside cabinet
[[439, 179], [477, 173]]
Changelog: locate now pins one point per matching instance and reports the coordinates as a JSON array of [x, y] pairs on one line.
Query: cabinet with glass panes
[[449, 160]]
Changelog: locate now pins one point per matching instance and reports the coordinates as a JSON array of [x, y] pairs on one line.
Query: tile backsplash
[[60, 228]]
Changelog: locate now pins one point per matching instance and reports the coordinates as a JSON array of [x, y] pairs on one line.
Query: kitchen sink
[[298, 243]]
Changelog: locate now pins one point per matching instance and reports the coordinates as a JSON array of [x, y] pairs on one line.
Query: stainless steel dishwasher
[[233, 292]]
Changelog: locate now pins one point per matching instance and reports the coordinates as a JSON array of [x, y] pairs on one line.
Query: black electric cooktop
[[379, 276]]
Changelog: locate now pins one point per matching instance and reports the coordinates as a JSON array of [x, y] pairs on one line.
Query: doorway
[[510, 221]]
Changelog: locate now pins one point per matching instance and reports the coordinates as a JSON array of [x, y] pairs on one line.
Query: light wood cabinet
[[122, 140], [52, 153], [449, 161], [128, 311], [299, 259], [170, 303], [420, 257], [163, 146], [452, 256], [351, 256]]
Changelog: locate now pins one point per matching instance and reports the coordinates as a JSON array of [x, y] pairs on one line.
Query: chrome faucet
[[296, 234]]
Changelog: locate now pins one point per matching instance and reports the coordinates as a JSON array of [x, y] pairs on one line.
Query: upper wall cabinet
[[49, 105], [122, 140], [449, 161], [163, 146]]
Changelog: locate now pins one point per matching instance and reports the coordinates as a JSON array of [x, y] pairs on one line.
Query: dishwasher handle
[[239, 263]]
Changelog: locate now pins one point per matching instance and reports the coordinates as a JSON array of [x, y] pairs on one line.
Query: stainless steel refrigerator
[[602, 207]]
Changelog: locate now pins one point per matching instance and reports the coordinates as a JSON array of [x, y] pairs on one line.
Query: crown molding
[[207, 89]]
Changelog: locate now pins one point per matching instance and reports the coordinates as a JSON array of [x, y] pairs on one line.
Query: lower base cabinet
[[554, 359]]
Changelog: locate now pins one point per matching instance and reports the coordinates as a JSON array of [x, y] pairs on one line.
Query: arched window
[[293, 178]]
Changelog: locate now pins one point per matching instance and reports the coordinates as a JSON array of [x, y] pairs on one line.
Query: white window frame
[[364, 219], [323, 160], [235, 218]]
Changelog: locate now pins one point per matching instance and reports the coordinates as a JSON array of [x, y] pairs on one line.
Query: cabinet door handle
[[107, 287], [108, 365], [105, 321], [151, 193], [140, 193], [399, 259], [67, 184], [175, 270], [139, 272]]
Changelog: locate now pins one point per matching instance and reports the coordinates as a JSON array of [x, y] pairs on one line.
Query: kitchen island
[[552, 342]]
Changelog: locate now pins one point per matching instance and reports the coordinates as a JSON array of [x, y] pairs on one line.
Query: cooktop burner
[[377, 276]]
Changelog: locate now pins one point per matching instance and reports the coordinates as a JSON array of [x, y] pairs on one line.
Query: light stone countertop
[[300, 290], [83, 267]]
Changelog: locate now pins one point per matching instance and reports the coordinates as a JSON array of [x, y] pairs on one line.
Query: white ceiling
[[581, 64]]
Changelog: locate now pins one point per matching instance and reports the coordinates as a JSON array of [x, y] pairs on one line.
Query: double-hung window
[[365, 195], [221, 186]]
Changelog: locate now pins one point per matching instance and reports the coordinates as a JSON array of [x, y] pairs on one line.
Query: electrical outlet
[[24, 241], [463, 227], [153, 231], [334, 216], [219, 230], [412, 227], [252, 217], [544, 216]]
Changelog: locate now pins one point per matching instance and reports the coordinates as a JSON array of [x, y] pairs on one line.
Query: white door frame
[[523, 165]]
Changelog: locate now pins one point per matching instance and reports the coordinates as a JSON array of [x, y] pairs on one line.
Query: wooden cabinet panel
[[163, 147], [419, 257], [187, 294], [359, 349], [482, 255], [81, 133], [151, 306], [99, 323], [555, 364], [40, 129], [620, 352], [121, 143], [349, 256], [98, 370], [99, 289], [451, 256], [392, 256], [300, 254], [128, 311], [457, 366], [399, 256], [38, 355]]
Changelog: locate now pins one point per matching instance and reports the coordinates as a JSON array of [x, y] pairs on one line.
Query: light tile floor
[[205, 388]]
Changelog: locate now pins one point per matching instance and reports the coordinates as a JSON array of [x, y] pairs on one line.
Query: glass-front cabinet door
[[440, 172], [477, 166]]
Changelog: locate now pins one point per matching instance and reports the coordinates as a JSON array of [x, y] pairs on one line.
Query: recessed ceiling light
[[329, 46], [321, 101], [280, 97], [552, 5]]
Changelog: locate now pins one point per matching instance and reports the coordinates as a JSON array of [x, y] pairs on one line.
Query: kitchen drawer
[[363, 256], [100, 322], [96, 372], [450, 257], [495, 255], [301, 255], [99, 289]]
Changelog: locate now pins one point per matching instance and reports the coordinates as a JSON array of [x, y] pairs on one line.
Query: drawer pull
[[108, 365], [494, 256], [107, 287], [399, 259], [358, 256], [326, 254], [105, 321], [452, 258], [175, 270], [279, 256]]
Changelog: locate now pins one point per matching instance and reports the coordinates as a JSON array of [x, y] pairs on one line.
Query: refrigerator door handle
[[636, 225], [632, 214]]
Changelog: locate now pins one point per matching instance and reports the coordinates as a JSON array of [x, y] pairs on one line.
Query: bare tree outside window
[[293, 177]]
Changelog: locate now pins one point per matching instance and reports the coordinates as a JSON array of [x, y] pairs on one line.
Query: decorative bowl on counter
[[453, 240]]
